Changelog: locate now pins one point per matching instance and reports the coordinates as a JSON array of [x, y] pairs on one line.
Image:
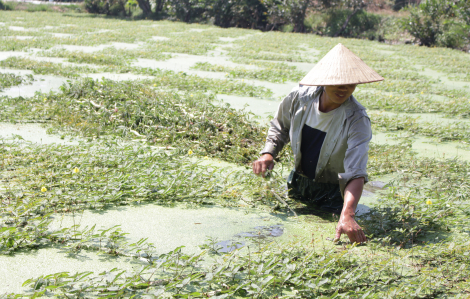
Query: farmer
[[329, 133]]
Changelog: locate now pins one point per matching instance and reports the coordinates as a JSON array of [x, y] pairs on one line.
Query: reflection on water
[[262, 232], [228, 246], [371, 187]]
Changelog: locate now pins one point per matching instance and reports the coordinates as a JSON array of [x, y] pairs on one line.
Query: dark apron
[[324, 196]]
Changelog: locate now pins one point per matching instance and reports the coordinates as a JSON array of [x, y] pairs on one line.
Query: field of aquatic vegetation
[[158, 139]]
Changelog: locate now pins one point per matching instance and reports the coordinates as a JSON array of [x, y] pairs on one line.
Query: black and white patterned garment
[[314, 132]]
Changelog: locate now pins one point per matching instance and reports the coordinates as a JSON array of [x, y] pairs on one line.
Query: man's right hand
[[264, 163]]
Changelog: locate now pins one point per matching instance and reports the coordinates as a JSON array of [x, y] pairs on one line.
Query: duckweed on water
[[454, 63], [459, 131], [182, 45], [300, 269], [147, 53], [276, 46]]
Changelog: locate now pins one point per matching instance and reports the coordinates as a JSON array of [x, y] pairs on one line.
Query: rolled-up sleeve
[[278, 133], [355, 160]]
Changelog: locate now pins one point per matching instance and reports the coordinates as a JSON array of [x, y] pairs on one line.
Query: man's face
[[338, 94]]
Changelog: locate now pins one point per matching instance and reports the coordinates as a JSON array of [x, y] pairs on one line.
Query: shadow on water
[[259, 235], [313, 214]]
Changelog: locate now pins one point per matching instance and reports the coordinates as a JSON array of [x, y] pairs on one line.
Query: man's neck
[[325, 104]]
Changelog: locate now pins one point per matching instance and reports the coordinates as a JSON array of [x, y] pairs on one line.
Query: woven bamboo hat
[[340, 66]]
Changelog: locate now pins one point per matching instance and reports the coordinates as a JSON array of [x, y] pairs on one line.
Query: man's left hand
[[347, 225]]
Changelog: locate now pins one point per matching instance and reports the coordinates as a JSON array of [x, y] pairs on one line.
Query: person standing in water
[[329, 131]]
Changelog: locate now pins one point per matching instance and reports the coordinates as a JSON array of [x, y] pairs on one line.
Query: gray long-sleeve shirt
[[344, 153]]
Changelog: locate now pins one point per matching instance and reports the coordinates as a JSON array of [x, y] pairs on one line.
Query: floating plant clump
[[135, 109], [8, 80], [277, 73], [46, 68]]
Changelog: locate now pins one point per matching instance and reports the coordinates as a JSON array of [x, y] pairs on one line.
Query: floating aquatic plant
[[277, 73], [8, 80]]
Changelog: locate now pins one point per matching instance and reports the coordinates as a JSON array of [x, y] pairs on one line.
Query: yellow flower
[[206, 157], [191, 95], [43, 189], [76, 170], [422, 92], [45, 99], [390, 95], [428, 202], [154, 85], [190, 152]]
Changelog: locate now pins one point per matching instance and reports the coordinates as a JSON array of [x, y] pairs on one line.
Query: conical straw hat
[[338, 67]]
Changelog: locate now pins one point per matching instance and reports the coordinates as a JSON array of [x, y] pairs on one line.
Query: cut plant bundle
[[135, 109]]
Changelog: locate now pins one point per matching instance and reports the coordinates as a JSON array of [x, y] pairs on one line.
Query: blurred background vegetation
[[442, 23]]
